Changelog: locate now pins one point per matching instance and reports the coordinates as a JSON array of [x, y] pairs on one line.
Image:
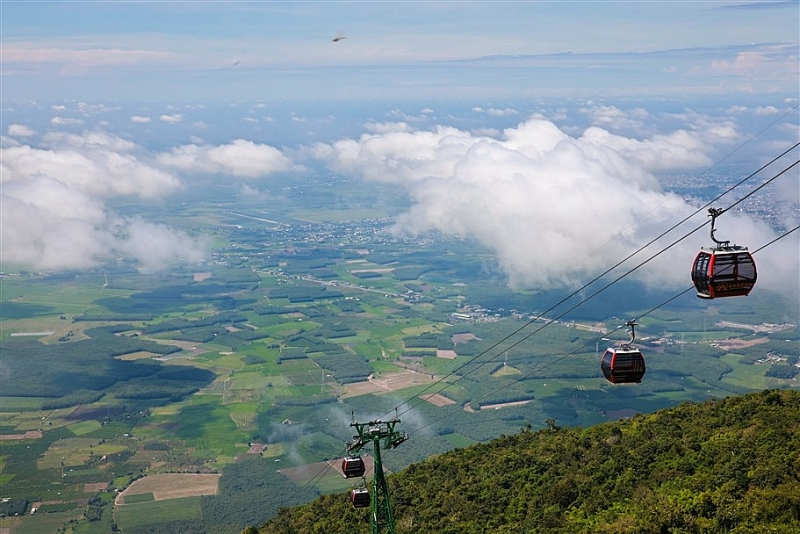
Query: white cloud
[[744, 63], [239, 158], [405, 117], [54, 214], [84, 107], [78, 61], [767, 110], [614, 118], [495, 111], [769, 62], [20, 130], [156, 245], [384, 127], [140, 119], [677, 150], [172, 118], [556, 209], [94, 169], [64, 121], [88, 140]]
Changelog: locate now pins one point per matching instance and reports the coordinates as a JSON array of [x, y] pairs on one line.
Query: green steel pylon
[[382, 519]]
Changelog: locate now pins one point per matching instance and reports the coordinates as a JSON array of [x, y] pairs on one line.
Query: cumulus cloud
[[65, 121], [156, 245], [776, 62], [495, 111], [614, 118], [555, 208], [20, 130], [173, 118], [96, 165], [239, 158], [140, 119], [767, 110], [677, 150], [54, 213]]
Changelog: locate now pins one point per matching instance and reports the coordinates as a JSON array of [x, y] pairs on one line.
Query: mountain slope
[[723, 466]]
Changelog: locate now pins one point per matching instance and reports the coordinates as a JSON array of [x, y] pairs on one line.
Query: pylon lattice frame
[[375, 432]]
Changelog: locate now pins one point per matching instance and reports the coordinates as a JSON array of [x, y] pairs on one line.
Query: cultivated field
[[172, 486], [437, 400], [387, 383]]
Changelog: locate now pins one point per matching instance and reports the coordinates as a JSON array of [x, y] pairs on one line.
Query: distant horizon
[[170, 50]]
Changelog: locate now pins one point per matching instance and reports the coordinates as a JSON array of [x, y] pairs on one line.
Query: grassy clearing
[[249, 380], [507, 370], [457, 440], [273, 450], [141, 355], [207, 425], [749, 376], [131, 515], [334, 482], [72, 473], [84, 427], [43, 523], [70, 452], [33, 420], [21, 404], [245, 420], [138, 497]]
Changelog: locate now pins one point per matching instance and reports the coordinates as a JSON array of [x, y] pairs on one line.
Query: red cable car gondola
[[725, 270], [360, 497], [353, 467], [624, 365]]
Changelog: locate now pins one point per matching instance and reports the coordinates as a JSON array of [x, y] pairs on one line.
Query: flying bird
[[339, 37]]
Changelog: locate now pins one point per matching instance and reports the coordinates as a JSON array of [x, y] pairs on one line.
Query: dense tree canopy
[[723, 466]]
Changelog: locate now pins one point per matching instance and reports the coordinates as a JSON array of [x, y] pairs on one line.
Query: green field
[[42, 523], [148, 512]]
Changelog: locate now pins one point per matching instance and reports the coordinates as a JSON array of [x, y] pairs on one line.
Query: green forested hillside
[[723, 466]]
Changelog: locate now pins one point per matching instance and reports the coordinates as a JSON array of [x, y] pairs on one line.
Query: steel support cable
[[537, 370], [551, 321], [316, 478], [590, 342], [329, 466], [717, 163], [598, 277]]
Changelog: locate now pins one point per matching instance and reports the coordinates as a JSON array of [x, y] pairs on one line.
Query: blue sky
[[414, 50]]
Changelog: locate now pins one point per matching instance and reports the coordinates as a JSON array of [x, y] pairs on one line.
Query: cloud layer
[[240, 158], [54, 214], [556, 209]]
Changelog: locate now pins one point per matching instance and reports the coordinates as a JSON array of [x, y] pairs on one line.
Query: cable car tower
[[377, 432]]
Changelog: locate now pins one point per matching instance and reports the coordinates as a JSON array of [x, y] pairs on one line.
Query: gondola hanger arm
[[714, 213], [632, 324]]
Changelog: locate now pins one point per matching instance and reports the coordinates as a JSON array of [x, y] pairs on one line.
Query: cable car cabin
[[353, 467], [622, 365], [723, 272], [360, 497]]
